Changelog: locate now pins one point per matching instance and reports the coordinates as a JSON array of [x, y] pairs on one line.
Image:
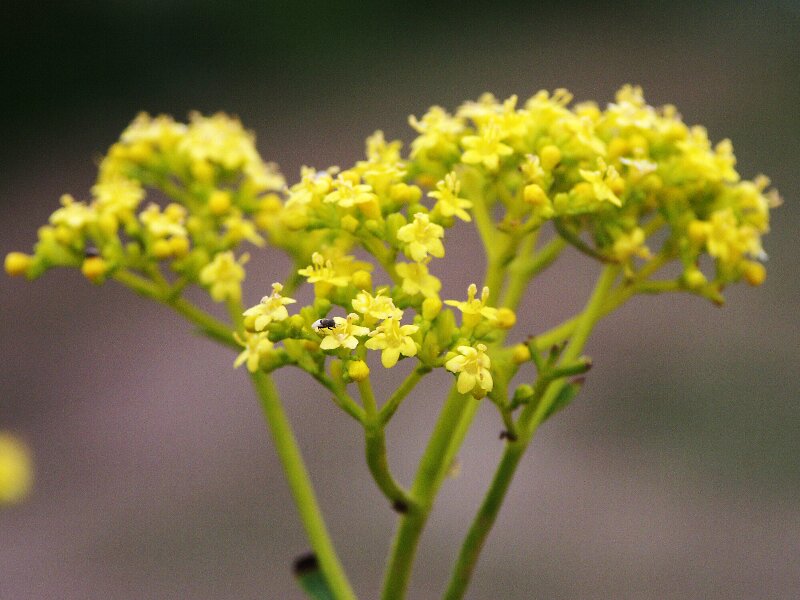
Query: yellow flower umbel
[[16, 472], [474, 308], [422, 238], [394, 339], [256, 346], [472, 366], [346, 193], [223, 276], [449, 204], [345, 334], [271, 308], [485, 148]]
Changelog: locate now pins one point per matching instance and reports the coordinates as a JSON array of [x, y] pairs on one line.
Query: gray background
[[675, 474]]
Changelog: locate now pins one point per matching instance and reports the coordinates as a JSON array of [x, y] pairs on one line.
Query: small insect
[[91, 252], [323, 325]]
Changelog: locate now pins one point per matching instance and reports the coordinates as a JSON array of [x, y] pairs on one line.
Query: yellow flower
[[238, 229], [375, 308], [313, 185], [271, 308], [394, 339], [473, 309], [223, 276], [117, 196], [438, 130], [17, 263], [164, 224], [344, 334], [485, 148], [449, 204], [73, 215], [256, 345], [323, 271], [472, 366], [16, 472], [417, 280], [422, 238], [347, 194], [630, 244], [605, 182], [728, 241]]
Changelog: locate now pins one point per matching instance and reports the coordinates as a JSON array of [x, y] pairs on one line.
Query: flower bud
[[219, 202], [520, 354], [506, 318], [694, 278], [162, 249], [362, 279], [535, 195], [15, 469], [179, 246], [349, 223], [754, 273], [550, 156], [17, 263], [431, 307], [93, 268], [358, 370]]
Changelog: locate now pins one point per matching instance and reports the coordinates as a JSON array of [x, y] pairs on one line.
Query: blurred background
[[674, 475]]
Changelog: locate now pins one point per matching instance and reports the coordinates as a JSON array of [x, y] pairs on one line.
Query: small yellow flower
[[347, 194], [256, 346], [728, 241], [73, 215], [449, 204], [375, 308], [313, 185], [271, 308], [16, 471], [238, 228], [417, 280], [344, 334], [323, 271], [473, 308], [630, 244], [472, 366], [394, 339], [605, 182], [164, 224], [224, 275], [117, 195], [485, 148], [93, 268], [422, 238]]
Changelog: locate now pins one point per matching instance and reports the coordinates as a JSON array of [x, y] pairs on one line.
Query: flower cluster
[[607, 180]]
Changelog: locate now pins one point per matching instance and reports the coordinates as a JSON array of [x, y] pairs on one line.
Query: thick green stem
[[375, 442], [531, 416], [301, 488]]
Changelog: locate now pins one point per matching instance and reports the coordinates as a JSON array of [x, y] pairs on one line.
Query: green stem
[[375, 441], [207, 324], [531, 416], [393, 403], [447, 436], [301, 488]]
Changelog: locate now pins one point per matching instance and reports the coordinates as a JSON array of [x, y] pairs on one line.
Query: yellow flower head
[[271, 308], [237, 228], [344, 334], [473, 309], [313, 185], [728, 241], [375, 308], [417, 280], [472, 366], [606, 182], [394, 339], [117, 196], [223, 276], [486, 148], [438, 130], [256, 346], [449, 204], [630, 244], [422, 238]]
